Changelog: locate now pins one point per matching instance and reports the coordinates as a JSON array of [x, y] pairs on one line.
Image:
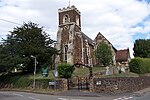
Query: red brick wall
[[72, 14]]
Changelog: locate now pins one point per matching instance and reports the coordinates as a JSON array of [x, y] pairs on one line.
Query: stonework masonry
[[119, 85], [74, 45]]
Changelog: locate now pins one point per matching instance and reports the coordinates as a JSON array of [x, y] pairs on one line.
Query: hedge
[[140, 65], [16, 80], [65, 70], [22, 81]]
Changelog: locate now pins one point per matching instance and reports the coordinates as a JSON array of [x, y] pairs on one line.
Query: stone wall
[[119, 85], [98, 85], [61, 85]]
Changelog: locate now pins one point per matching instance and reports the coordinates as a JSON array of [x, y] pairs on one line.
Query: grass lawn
[[39, 76], [81, 72], [85, 71], [128, 74]]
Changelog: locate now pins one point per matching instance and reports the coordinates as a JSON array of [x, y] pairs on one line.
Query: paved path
[[87, 93], [75, 95], [78, 93], [11, 95]]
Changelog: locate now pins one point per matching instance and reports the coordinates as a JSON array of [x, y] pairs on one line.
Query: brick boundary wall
[[119, 85]]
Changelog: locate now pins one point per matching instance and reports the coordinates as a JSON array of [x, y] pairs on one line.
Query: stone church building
[[74, 45]]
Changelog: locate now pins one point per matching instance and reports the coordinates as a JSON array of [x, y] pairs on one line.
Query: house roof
[[122, 55]]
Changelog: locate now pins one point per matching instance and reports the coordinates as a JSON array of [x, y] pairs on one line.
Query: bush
[[140, 65], [147, 63], [17, 80], [65, 70], [22, 81]]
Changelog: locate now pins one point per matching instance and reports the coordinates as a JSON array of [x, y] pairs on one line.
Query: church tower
[[69, 16], [75, 47], [69, 24]]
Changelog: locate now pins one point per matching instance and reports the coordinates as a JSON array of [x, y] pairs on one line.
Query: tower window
[[65, 51], [66, 18], [77, 19]]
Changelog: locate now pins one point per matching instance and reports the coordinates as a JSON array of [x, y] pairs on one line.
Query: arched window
[[65, 53], [66, 18]]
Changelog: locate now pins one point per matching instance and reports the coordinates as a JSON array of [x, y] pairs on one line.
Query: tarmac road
[[12, 95]]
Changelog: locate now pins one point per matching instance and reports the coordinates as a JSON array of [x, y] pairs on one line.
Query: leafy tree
[[2, 68], [103, 54], [142, 48], [140, 65], [65, 70], [24, 41]]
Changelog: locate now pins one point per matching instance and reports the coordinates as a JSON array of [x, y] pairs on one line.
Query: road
[[11, 95]]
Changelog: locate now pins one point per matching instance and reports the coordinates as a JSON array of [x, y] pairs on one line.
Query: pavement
[[85, 93], [89, 94], [141, 92]]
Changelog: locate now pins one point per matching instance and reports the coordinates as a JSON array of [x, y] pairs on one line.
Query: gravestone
[[107, 70]]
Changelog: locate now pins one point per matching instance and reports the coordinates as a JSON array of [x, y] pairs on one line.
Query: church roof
[[122, 55], [90, 41], [103, 38]]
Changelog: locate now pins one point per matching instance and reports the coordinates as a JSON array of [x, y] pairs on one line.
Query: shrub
[[140, 65], [17, 80], [147, 63], [65, 70], [22, 81], [134, 65]]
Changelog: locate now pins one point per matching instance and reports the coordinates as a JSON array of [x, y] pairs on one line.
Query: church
[[74, 45]]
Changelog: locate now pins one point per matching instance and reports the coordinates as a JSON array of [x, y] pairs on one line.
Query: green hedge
[[65, 70], [22, 81], [17, 81], [140, 65]]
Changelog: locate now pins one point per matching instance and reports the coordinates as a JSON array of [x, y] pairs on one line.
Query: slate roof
[[122, 55], [90, 41]]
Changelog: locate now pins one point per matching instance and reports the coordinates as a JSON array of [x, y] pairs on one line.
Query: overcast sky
[[120, 21]]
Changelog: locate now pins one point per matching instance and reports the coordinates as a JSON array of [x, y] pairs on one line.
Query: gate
[[78, 83]]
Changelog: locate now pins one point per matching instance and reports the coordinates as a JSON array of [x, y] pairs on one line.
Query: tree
[[103, 54], [2, 67], [65, 70], [142, 48], [24, 41], [140, 65]]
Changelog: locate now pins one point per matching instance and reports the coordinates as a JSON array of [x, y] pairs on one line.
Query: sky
[[120, 21]]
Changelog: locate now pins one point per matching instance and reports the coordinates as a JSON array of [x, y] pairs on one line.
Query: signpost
[[45, 72], [53, 83], [35, 62]]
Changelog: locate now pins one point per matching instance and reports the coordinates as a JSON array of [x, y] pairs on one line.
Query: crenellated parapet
[[69, 8]]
